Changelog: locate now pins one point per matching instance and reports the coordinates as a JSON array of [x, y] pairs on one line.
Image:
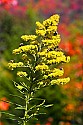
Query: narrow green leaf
[[11, 103], [20, 108], [41, 113], [36, 99], [47, 105], [14, 119], [31, 108], [41, 104], [35, 118], [8, 113], [17, 96]]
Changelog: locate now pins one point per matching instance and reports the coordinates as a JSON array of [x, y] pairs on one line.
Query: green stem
[[26, 109]]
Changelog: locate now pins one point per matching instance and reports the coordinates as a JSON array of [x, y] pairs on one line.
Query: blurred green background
[[18, 17]]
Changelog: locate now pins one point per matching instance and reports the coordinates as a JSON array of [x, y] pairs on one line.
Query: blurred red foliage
[[1, 123], [71, 9], [3, 104]]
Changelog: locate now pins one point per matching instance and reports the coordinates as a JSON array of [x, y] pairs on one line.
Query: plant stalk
[[26, 109]]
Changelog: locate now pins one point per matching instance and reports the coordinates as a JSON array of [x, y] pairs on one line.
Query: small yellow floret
[[39, 25], [15, 65], [21, 73], [28, 37], [41, 67], [56, 72], [40, 32], [60, 81], [55, 17]]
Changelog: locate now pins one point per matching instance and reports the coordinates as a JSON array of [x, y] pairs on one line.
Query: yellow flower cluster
[[41, 32], [21, 73], [50, 54], [28, 37], [24, 56], [35, 42], [40, 83], [53, 73], [48, 27], [15, 65], [55, 41], [59, 59], [54, 57], [56, 72], [53, 20], [25, 48], [60, 81], [42, 67]]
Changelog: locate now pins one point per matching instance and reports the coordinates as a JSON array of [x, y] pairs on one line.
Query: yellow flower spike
[[28, 37], [41, 56]]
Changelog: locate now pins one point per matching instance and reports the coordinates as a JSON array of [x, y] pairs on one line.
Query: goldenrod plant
[[39, 65]]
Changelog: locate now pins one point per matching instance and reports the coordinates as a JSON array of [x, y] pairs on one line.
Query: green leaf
[[31, 108], [20, 87], [17, 96], [41, 104], [8, 113], [41, 113], [23, 107], [47, 105], [35, 118]]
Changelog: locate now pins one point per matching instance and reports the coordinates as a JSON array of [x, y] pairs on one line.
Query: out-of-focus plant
[[39, 66], [13, 6], [4, 106], [71, 9], [73, 46]]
